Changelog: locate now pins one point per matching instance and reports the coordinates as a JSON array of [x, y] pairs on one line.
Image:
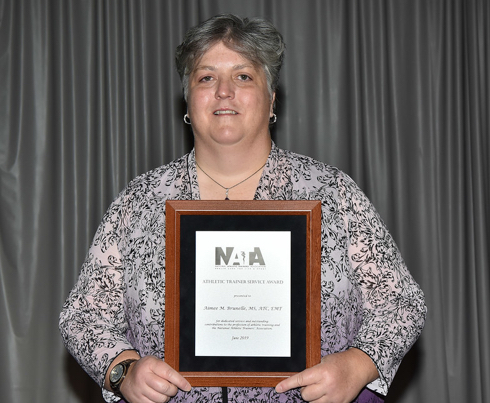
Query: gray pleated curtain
[[395, 93]]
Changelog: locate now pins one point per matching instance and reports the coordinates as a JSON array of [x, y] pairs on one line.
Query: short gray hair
[[255, 39]]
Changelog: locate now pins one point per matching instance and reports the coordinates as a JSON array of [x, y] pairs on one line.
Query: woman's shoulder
[[165, 179], [310, 174], [306, 165]]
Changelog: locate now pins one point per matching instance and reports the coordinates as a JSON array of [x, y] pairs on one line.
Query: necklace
[[231, 187]]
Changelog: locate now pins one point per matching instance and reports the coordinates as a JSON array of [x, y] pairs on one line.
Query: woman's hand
[[151, 380], [339, 378]]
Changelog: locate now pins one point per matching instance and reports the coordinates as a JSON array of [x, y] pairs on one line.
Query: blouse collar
[[263, 191]]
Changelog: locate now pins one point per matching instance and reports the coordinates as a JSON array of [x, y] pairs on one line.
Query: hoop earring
[[187, 120], [273, 119]]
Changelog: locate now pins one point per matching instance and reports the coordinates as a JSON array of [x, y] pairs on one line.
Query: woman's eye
[[244, 77], [206, 79]]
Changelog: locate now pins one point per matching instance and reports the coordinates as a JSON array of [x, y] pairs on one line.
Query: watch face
[[116, 373]]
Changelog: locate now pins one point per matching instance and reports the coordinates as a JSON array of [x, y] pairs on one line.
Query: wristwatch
[[117, 375]]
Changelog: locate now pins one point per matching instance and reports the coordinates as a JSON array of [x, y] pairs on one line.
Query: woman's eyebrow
[[236, 67], [243, 66]]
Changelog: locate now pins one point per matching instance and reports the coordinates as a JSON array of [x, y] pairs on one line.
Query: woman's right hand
[[151, 380]]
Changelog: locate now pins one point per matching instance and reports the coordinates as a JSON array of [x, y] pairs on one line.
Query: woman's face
[[228, 101]]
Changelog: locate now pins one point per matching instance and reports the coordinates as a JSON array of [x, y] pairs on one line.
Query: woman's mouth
[[226, 112]]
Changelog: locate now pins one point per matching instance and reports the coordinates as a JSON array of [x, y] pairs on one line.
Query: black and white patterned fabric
[[369, 299]]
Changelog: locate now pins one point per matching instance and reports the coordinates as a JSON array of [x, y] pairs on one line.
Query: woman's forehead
[[221, 50]]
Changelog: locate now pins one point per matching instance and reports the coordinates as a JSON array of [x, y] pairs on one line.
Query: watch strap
[[115, 386]]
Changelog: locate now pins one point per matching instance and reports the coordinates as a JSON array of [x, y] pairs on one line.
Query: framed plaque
[[242, 290]]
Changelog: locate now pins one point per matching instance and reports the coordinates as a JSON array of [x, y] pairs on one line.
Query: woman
[[372, 309]]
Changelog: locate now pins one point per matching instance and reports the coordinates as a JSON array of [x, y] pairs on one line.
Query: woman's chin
[[223, 139]]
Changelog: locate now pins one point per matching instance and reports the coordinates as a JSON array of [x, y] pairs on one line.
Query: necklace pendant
[[235, 185]]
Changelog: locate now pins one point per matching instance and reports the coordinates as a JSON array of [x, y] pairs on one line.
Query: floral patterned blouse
[[369, 299]]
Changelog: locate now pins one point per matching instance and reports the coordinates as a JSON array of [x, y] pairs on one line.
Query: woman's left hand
[[339, 378]]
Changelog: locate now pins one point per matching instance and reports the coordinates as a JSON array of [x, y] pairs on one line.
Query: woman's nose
[[225, 89]]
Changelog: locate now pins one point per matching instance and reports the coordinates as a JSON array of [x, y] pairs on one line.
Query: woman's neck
[[234, 170], [233, 160]]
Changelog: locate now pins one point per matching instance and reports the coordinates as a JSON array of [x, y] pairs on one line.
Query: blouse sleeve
[[394, 307], [92, 322]]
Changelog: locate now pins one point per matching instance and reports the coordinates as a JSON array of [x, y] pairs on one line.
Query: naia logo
[[230, 257]]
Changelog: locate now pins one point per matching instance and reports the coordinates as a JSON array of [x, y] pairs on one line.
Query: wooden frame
[[254, 213]]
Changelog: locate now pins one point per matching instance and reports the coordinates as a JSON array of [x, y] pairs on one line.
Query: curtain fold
[[394, 93]]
